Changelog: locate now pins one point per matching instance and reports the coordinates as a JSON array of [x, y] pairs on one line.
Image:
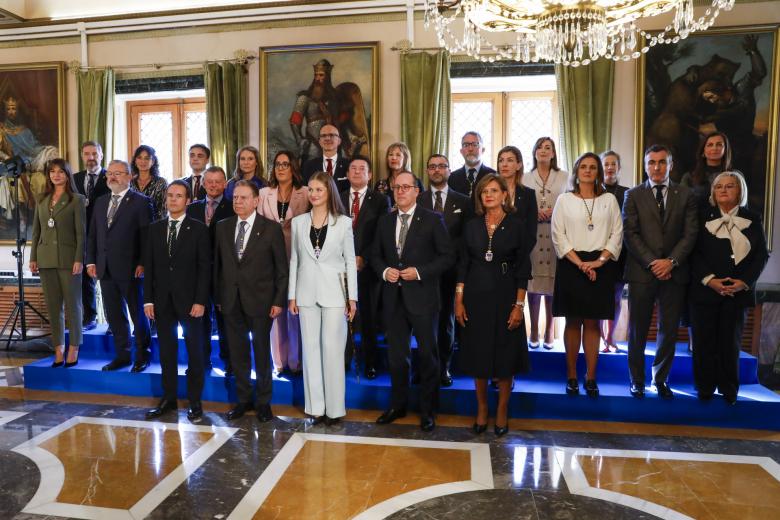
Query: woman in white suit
[[322, 256]]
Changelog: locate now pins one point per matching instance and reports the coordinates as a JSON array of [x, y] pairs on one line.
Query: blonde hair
[[743, 191], [407, 164]]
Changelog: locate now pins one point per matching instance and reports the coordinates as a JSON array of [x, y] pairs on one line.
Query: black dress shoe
[[591, 388], [416, 378], [264, 413], [572, 387], [479, 428], [90, 325], [139, 366], [390, 415], [195, 411], [704, 395], [637, 390], [427, 423], [370, 373], [57, 364], [730, 399], [165, 405], [238, 411], [664, 392], [115, 364], [228, 371], [500, 431], [332, 421], [446, 379]]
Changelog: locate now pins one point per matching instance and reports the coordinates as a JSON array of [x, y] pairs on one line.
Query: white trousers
[[323, 338]]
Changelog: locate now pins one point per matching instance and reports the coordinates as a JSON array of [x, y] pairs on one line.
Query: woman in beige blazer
[[59, 230], [283, 199]]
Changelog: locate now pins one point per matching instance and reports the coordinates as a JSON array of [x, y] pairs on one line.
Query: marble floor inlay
[[114, 468], [6, 416], [341, 477]]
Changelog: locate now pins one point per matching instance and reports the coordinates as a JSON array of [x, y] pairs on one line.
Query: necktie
[[329, 168], [402, 233], [90, 184], [659, 199], [195, 187], [438, 207], [171, 237], [240, 239], [472, 176], [210, 207], [355, 208], [113, 208]]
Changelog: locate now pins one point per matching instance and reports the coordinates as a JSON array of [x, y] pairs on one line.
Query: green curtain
[[425, 106], [226, 112], [585, 103], [96, 109]]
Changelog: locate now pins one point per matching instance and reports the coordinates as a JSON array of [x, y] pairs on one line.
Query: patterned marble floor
[[96, 457]]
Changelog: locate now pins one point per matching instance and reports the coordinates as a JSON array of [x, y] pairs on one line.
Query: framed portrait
[[722, 80], [304, 87], [32, 128]]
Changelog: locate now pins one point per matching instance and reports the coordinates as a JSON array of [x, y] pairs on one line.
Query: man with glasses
[[411, 251], [456, 209], [465, 178], [331, 161]]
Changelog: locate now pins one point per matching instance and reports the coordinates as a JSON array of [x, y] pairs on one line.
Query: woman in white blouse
[[549, 182], [587, 232]]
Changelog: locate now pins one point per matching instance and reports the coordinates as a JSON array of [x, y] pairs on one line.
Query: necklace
[[491, 229], [543, 186], [590, 212], [284, 205], [317, 232]]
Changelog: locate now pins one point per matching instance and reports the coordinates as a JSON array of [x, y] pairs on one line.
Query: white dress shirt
[[361, 197], [334, 159], [249, 223], [96, 173], [118, 202], [570, 225], [664, 191]]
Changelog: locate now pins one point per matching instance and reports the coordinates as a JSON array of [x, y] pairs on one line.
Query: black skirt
[[577, 297]]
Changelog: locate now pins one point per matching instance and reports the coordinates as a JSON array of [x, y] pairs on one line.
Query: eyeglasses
[[329, 136], [474, 144], [115, 173], [282, 165], [402, 188], [438, 166]]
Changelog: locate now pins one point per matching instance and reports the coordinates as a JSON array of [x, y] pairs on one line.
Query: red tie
[[329, 169], [210, 210], [195, 187], [355, 209]]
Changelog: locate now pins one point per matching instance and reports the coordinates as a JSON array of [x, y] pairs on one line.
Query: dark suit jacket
[[459, 180], [100, 189], [457, 211], [186, 275], [314, 165], [428, 248], [713, 255], [201, 192], [525, 204], [648, 239], [374, 206], [119, 248], [259, 279], [224, 209]]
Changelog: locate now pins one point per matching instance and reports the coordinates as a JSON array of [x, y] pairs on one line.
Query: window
[[509, 110], [170, 126]]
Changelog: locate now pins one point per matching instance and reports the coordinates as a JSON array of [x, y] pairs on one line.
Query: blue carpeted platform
[[539, 394]]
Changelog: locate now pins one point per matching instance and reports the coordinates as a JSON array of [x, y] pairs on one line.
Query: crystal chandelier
[[569, 32]]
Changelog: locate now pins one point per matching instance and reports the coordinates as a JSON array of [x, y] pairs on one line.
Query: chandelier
[[568, 32]]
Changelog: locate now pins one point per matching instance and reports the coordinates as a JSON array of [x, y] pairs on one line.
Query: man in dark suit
[[365, 207], [411, 251], [214, 208], [90, 182], [660, 228], [464, 179], [331, 161], [251, 271], [199, 158], [456, 209], [115, 247], [177, 276]]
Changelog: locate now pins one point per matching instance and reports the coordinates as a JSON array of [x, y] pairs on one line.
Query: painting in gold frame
[[32, 126]]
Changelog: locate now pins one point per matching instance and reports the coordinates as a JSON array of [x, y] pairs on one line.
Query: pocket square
[[457, 210]]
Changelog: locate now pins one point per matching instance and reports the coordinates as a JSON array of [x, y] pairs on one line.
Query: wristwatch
[[673, 261], [603, 259]]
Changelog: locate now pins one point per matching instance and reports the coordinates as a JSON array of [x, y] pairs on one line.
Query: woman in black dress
[[493, 272], [729, 256], [523, 198]]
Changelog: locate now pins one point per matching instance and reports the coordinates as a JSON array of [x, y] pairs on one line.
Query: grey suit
[[648, 237]]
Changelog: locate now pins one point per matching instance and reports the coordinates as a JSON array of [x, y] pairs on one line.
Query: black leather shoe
[[637, 390], [704, 396], [228, 371], [427, 423], [332, 421], [479, 428], [314, 421], [416, 378], [139, 366], [664, 392], [264, 413], [90, 325], [238, 411], [195, 411], [165, 405], [446, 379], [730, 399], [115, 364], [591, 388], [572, 387], [370, 373], [390, 415], [500, 431]]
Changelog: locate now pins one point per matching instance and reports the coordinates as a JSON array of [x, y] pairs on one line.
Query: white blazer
[[318, 281]]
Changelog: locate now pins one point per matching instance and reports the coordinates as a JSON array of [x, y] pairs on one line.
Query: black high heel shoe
[[71, 364], [572, 387], [500, 431], [479, 428], [591, 388], [57, 364]]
